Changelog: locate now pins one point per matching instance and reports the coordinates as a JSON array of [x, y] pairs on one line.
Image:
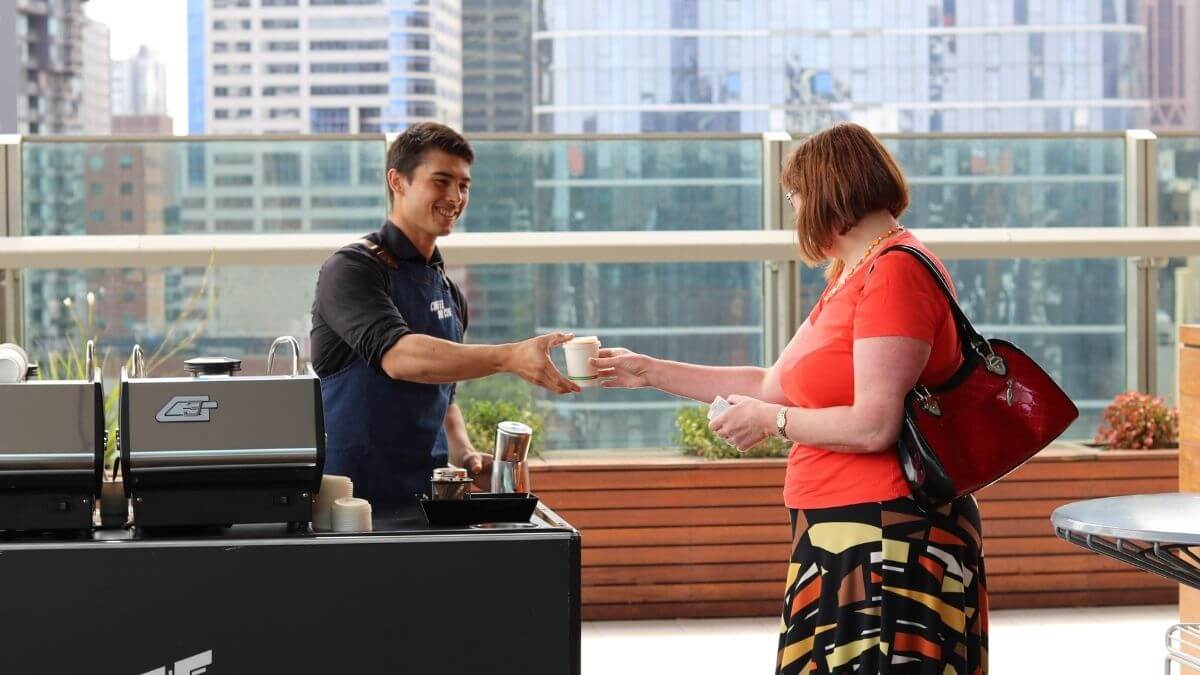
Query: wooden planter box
[[679, 537]]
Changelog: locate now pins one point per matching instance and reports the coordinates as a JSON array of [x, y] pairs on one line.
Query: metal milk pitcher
[[510, 470]]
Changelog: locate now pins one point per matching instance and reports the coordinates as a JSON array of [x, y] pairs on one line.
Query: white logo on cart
[[192, 665], [186, 409]]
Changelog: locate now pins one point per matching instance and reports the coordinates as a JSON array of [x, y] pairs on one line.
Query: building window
[[243, 114], [282, 68], [233, 181], [348, 90], [347, 45], [282, 90], [281, 168], [98, 216], [420, 86], [220, 47], [330, 3], [220, 92], [126, 188], [356, 67], [96, 162], [286, 46], [283, 113], [96, 189], [220, 69], [280, 24], [221, 114], [421, 108], [330, 120], [280, 3], [126, 161], [126, 215], [243, 47], [417, 42], [331, 166]]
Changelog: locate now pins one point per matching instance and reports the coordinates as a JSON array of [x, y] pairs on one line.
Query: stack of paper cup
[[579, 353], [333, 488], [351, 514], [14, 363]]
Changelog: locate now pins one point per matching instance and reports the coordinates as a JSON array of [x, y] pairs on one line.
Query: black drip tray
[[480, 507]]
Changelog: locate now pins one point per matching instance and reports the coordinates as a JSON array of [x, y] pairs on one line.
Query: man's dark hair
[[408, 150]]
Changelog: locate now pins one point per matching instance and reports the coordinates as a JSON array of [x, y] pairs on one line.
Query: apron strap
[[380, 254]]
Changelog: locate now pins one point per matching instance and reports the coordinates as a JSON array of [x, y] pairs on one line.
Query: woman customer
[[874, 584]]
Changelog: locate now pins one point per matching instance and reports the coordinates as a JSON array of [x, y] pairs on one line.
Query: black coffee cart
[[407, 598]]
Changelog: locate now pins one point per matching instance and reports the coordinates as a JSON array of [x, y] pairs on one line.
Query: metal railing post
[[11, 313], [1141, 290], [781, 279]]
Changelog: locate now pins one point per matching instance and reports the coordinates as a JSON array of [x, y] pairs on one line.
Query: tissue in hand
[[719, 406]]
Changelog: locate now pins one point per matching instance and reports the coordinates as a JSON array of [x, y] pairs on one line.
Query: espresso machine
[[52, 438], [216, 448]]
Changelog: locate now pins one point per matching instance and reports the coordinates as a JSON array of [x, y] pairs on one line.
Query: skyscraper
[[41, 66], [139, 84], [1174, 63], [97, 111], [497, 65], [892, 65], [322, 66]]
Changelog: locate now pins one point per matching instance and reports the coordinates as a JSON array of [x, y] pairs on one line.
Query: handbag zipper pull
[[927, 401]]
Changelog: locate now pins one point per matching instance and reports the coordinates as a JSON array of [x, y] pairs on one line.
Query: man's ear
[[396, 182]]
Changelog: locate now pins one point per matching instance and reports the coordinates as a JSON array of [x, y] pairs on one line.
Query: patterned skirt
[[882, 587]]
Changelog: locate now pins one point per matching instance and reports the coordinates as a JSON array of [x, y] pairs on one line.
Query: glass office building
[[893, 65]]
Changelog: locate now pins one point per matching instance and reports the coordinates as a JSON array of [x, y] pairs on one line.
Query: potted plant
[[1137, 421]]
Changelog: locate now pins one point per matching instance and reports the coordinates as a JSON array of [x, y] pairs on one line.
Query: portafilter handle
[[294, 344]]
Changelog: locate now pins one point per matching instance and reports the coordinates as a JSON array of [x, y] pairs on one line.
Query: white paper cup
[[14, 363], [333, 488], [579, 368], [351, 514]]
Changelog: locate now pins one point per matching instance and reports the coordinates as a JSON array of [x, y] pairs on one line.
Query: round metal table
[[1157, 533]]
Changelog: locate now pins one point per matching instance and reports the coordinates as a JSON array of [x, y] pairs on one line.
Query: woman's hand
[[622, 368], [746, 423]]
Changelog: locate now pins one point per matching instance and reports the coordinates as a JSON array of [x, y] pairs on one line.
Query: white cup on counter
[[14, 363], [333, 488], [351, 514]]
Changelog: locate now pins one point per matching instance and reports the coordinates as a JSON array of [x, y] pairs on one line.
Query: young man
[[388, 330]]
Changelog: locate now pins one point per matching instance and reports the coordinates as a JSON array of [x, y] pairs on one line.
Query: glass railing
[[1178, 202], [1069, 313]]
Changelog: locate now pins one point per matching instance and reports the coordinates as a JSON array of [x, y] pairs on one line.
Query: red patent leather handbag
[[997, 410]]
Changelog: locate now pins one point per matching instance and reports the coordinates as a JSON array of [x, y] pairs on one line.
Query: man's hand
[[479, 468], [530, 360], [620, 367]]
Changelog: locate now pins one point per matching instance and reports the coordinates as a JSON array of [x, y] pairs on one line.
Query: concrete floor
[[1093, 640]]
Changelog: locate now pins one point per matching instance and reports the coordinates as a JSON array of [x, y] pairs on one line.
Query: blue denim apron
[[387, 435]]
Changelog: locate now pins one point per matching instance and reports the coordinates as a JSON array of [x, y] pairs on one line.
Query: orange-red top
[[893, 295]]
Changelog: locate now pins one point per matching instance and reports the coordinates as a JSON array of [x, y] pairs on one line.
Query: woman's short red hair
[[836, 177]]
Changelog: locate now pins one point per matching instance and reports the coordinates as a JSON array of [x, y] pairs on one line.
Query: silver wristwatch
[[781, 422]]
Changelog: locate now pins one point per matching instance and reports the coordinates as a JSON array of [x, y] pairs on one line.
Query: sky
[[161, 24]]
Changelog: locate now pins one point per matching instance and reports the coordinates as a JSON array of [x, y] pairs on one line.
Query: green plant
[[483, 415], [1138, 421], [697, 439]]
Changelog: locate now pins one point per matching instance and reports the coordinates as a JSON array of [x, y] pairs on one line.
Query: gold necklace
[[896, 229]]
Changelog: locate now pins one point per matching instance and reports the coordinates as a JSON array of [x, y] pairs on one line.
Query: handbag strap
[[966, 332]]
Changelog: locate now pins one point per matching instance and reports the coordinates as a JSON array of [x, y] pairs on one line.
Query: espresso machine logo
[[186, 409], [192, 665]]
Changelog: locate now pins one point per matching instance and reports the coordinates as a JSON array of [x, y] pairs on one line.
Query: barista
[[387, 333]]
